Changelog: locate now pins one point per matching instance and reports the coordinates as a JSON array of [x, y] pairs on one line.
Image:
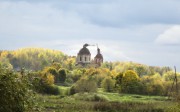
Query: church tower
[[98, 59], [84, 56]]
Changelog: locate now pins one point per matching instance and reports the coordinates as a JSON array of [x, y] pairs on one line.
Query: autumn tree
[[130, 82], [153, 84], [108, 84]]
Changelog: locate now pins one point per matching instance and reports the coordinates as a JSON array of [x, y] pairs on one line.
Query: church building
[[84, 57]]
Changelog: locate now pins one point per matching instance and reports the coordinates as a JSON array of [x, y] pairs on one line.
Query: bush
[[108, 84], [85, 85], [15, 91], [72, 90], [51, 89]]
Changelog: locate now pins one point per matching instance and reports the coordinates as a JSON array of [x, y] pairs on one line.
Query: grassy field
[[106, 102]]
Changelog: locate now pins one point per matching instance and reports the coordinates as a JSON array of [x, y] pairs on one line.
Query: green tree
[[85, 85], [142, 70], [154, 84], [62, 75], [15, 91], [108, 84]]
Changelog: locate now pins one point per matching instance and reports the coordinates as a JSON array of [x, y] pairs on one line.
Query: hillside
[[31, 58], [37, 58]]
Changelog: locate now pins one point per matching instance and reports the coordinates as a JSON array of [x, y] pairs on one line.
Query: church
[[84, 57]]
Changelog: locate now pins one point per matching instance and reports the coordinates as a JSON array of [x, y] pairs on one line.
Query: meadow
[[105, 102]]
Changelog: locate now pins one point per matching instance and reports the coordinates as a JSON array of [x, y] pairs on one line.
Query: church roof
[[84, 51], [99, 56]]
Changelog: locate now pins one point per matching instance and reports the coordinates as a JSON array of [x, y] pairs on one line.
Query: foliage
[[15, 91], [108, 84], [153, 84], [62, 75], [32, 58], [85, 85], [119, 79], [51, 89], [53, 71], [130, 82]]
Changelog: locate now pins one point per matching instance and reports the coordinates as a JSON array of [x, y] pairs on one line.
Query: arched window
[[85, 58], [80, 58]]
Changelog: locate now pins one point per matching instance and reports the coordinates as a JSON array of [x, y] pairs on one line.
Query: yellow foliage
[[113, 74], [50, 79], [130, 75]]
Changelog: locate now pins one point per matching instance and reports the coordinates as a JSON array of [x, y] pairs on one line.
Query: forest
[[45, 80]]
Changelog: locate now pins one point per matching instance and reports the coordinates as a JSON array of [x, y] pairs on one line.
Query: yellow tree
[[131, 82]]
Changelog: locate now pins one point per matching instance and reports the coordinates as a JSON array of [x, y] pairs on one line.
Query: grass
[[132, 97], [115, 103], [64, 90]]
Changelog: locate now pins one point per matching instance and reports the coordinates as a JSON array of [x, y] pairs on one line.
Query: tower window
[[85, 59]]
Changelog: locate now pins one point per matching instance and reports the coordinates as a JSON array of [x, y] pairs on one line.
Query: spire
[[98, 51], [85, 45]]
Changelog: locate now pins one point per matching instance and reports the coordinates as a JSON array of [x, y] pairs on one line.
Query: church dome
[[84, 51], [99, 56]]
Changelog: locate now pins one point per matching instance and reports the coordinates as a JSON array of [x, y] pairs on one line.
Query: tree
[[52, 71], [154, 84], [130, 82], [119, 79], [15, 91], [62, 75], [108, 84], [85, 85], [142, 70]]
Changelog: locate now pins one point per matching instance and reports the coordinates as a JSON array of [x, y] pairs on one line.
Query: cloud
[[115, 13], [128, 13], [124, 30], [170, 37]]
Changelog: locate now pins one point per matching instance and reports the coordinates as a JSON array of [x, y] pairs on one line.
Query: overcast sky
[[144, 31]]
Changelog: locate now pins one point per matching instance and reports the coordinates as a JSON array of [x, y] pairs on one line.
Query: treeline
[[31, 58], [90, 79], [55, 68]]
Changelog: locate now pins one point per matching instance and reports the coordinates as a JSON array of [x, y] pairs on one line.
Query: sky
[[143, 31]]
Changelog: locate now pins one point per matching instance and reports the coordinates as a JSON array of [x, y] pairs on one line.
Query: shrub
[[72, 90], [51, 89], [15, 91], [108, 84], [85, 85]]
